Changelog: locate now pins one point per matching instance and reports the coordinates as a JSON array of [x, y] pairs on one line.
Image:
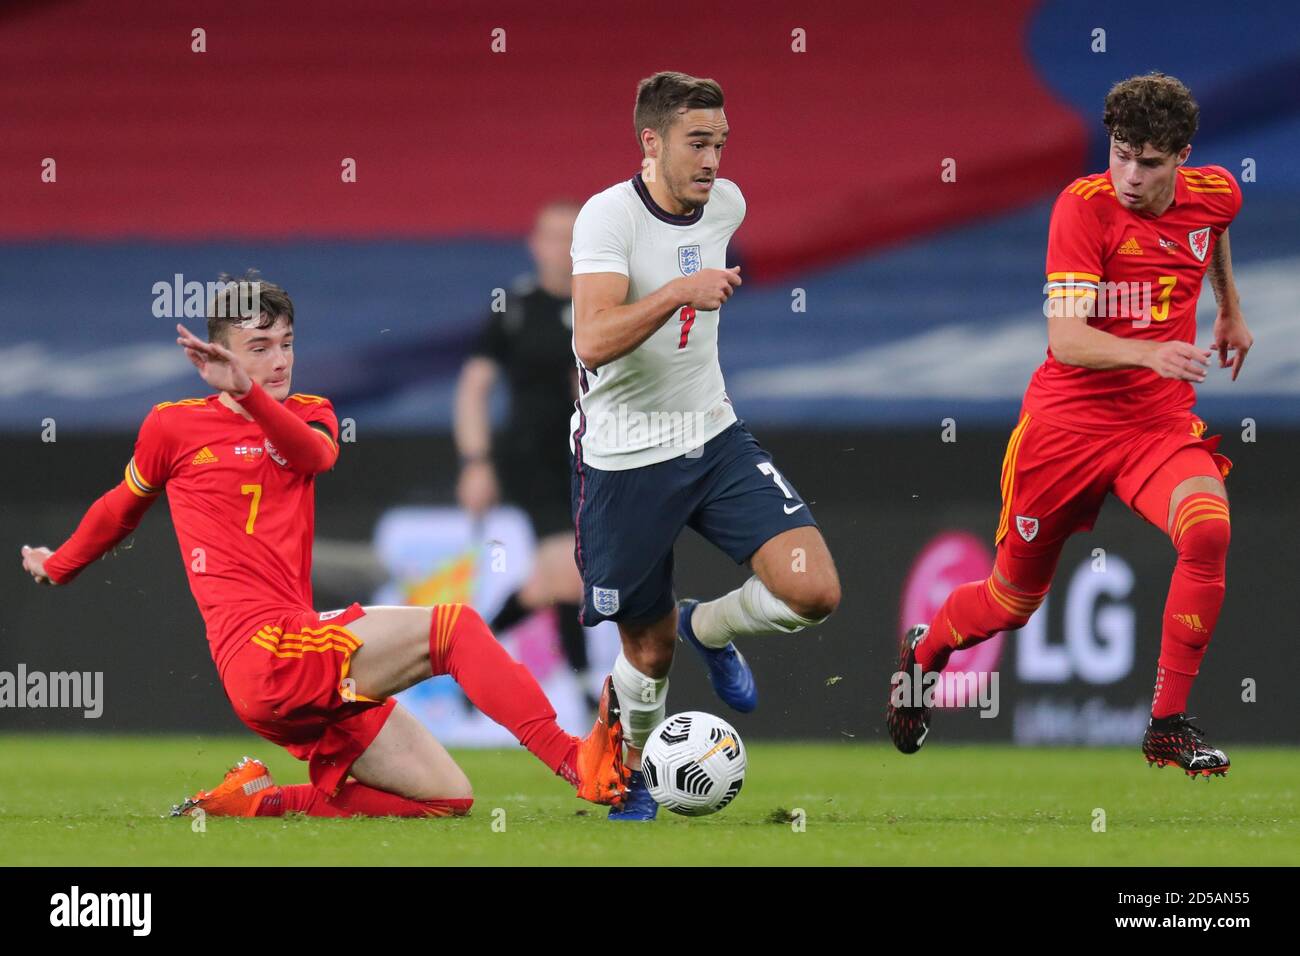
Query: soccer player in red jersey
[[1110, 410], [239, 469]]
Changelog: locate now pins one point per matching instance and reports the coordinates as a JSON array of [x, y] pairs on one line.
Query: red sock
[[1200, 533], [973, 613], [460, 644], [1171, 693], [354, 800]]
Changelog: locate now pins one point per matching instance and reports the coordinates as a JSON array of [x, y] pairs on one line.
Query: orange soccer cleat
[[239, 794], [602, 777]]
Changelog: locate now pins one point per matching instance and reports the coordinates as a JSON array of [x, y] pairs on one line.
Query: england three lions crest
[[605, 600], [688, 259]]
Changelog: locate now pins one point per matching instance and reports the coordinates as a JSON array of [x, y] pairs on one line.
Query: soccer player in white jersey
[[656, 445]]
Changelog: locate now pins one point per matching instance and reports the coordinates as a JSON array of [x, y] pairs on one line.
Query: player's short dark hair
[[1156, 109], [230, 304], [659, 97]]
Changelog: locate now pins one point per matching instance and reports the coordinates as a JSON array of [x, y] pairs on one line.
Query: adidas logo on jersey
[[1190, 620], [205, 457], [1130, 247]]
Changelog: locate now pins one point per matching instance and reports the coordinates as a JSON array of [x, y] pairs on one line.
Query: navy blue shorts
[[626, 522]]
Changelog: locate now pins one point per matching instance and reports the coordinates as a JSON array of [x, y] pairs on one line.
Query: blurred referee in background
[[527, 464]]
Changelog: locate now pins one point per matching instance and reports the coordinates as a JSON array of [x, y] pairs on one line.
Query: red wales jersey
[[1145, 273], [244, 520]]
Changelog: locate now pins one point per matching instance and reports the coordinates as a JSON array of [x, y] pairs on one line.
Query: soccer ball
[[694, 763]]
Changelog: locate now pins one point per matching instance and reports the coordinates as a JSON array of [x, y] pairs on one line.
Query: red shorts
[[1054, 480], [287, 685]]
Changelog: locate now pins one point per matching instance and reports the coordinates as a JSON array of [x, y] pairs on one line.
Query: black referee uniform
[[531, 341]]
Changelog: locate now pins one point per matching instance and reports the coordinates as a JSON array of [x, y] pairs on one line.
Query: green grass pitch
[[99, 800]]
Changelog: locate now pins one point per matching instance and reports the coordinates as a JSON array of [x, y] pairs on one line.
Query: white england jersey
[[666, 397]]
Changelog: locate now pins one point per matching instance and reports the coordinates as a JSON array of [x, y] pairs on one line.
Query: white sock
[[750, 609], [643, 700]]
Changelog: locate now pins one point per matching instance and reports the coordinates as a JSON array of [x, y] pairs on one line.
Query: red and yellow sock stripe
[[1194, 509], [1020, 604], [445, 617]]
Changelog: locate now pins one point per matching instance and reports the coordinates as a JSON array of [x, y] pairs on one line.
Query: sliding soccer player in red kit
[[239, 469], [1110, 410]]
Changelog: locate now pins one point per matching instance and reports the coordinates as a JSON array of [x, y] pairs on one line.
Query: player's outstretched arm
[[1074, 342], [476, 489], [1230, 332], [307, 449], [111, 518], [605, 328]]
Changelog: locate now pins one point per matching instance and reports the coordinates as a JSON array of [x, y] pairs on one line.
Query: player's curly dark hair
[[659, 97], [231, 304], [1156, 109]]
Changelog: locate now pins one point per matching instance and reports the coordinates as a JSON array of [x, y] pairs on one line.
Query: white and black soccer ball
[[694, 763]]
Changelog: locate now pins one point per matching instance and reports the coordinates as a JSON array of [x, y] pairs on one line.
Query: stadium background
[[922, 296]]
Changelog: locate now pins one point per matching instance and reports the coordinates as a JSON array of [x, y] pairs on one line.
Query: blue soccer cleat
[[729, 672], [637, 804]]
